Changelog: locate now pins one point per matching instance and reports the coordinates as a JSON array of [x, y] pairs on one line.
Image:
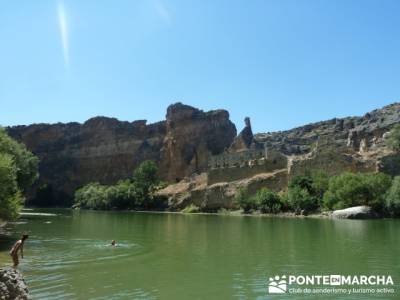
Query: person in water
[[113, 243], [18, 246]]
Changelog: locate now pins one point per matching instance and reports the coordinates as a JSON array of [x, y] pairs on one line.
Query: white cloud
[[163, 12], [62, 22]]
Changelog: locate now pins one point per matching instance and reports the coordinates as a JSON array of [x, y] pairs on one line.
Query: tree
[[145, 179], [18, 170], [25, 162], [244, 201], [268, 201], [349, 189], [393, 198], [393, 140], [10, 196], [134, 193], [302, 194], [320, 183]]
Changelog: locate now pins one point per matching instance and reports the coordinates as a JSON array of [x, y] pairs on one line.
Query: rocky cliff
[[106, 150], [355, 144]]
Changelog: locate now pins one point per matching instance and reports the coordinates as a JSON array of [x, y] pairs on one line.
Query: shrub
[[302, 194], [393, 140], [135, 193], [267, 201], [244, 201], [393, 197], [349, 189], [93, 196], [301, 200], [191, 209], [320, 184]]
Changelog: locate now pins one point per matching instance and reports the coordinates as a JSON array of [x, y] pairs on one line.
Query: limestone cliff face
[[106, 150], [360, 134], [355, 144], [101, 149], [191, 136]]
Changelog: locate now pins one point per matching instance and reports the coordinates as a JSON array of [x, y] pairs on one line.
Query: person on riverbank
[[18, 246]]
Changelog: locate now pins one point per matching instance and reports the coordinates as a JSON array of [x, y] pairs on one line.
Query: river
[[176, 256]]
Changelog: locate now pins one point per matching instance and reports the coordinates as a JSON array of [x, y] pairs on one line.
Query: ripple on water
[[46, 255]]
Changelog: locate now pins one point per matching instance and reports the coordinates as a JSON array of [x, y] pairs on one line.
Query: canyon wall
[[106, 150], [191, 142]]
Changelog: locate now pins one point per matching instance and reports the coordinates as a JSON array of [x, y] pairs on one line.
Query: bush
[[349, 189], [126, 194], [301, 200], [267, 201], [303, 194], [244, 201], [92, 195], [320, 184], [393, 198], [190, 209], [393, 140]]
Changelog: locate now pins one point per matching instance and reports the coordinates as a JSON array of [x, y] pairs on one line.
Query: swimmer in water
[[18, 246], [113, 243]]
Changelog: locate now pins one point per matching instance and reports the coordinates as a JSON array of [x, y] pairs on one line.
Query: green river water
[[175, 256]]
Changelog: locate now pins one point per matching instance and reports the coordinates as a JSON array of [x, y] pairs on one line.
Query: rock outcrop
[[12, 285], [195, 190], [355, 144], [357, 212], [191, 136], [106, 150], [358, 133]]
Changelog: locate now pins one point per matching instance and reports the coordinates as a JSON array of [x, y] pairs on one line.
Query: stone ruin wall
[[234, 166]]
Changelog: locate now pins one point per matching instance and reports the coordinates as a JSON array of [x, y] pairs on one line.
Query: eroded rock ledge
[[12, 285]]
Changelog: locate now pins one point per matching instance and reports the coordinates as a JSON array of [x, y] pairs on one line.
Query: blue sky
[[284, 63]]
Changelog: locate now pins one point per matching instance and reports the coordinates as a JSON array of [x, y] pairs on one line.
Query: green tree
[[393, 198], [10, 196], [18, 170], [244, 201], [145, 180], [302, 194], [350, 189], [135, 193], [25, 162], [393, 140], [320, 183], [93, 196], [268, 201]]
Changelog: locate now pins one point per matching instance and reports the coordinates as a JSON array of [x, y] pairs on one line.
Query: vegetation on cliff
[[18, 170], [134, 193]]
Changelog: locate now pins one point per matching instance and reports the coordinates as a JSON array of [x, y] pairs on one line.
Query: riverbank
[[358, 212]]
